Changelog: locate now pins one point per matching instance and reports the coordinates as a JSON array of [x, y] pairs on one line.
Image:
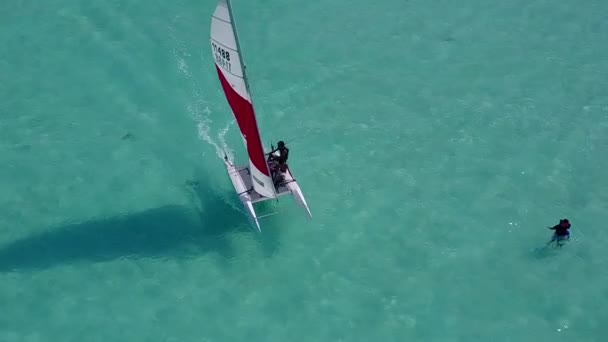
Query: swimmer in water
[[561, 233]]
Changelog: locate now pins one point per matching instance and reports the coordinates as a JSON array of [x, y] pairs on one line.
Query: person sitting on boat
[[283, 153], [561, 232], [278, 163]]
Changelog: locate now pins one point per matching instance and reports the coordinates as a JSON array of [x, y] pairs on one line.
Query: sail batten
[[231, 73]]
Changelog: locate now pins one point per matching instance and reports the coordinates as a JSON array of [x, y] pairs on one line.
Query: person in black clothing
[[277, 163], [561, 233], [283, 153]]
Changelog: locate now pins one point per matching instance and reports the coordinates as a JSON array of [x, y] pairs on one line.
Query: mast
[[238, 47], [244, 67]]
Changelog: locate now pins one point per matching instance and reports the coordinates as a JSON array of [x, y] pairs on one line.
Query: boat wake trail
[[201, 114], [198, 109]]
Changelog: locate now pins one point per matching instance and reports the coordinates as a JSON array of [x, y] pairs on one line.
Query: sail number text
[[222, 57]]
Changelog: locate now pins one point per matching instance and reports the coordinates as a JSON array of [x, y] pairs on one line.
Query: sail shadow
[[169, 232]]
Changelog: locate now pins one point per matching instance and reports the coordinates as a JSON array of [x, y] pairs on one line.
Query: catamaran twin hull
[[242, 182]]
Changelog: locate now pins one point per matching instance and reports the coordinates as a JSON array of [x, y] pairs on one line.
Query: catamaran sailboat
[[253, 182]]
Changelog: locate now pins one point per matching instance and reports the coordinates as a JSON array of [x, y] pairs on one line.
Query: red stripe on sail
[[245, 117]]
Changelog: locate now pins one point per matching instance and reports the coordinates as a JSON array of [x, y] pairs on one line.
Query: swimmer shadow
[[543, 252], [548, 250], [169, 232]]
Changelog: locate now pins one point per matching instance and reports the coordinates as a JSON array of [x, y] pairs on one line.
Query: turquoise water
[[434, 142]]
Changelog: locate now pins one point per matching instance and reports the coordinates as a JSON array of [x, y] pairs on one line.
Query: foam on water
[[198, 109]]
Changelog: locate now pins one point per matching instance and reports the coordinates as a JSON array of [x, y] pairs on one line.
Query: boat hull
[[240, 177]]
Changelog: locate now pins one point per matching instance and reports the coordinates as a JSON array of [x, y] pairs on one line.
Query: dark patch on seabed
[[177, 232], [23, 147]]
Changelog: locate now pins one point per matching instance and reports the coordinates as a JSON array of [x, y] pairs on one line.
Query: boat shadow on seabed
[[168, 232]]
